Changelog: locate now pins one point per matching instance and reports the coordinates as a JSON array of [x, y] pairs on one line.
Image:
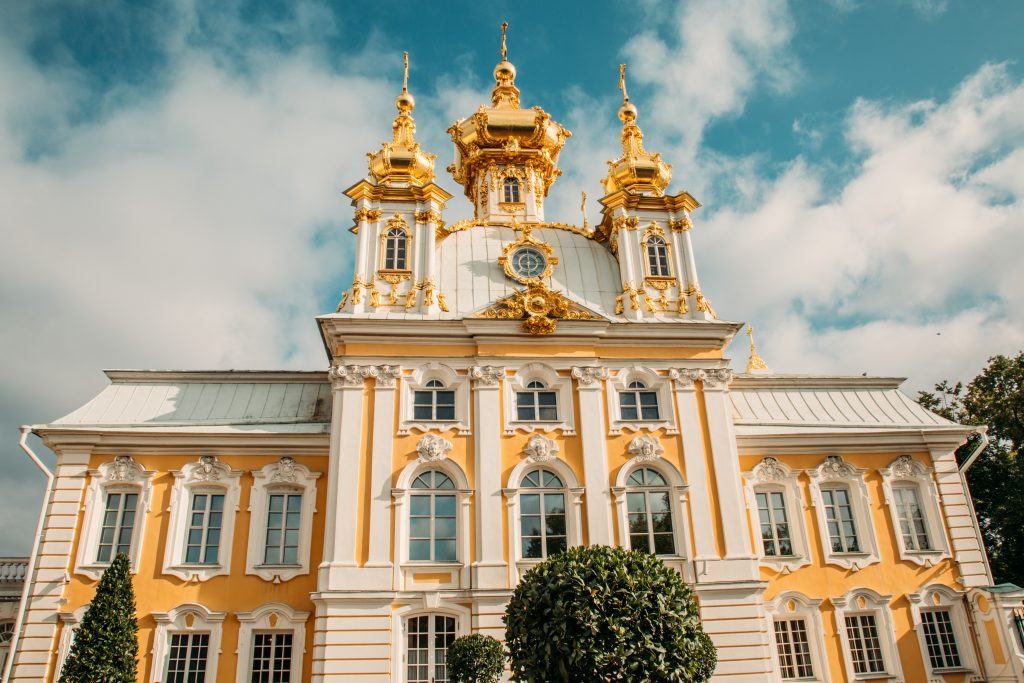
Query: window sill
[[428, 564]]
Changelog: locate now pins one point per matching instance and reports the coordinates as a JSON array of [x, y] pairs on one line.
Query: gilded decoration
[[467, 223], [538, 307], [637, 169], [683, 224], [362, 215], [527, 240], [401, 161], [755, 362]]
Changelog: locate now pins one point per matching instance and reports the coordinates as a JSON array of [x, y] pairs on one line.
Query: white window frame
[[186, 618], [541, 452], [417, 381], [270, 617], [906, 471], [404, 567], [506, 185], [860, 601], [935, 597], [284, 476], [562, 386], [662, 385], [772, 475], [835, 471], [432, 605], [209, 474], [120, 475], [651, 457], [796, 605]]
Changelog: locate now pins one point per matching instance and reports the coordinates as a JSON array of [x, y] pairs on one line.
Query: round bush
[[475, 659], [606, 614]]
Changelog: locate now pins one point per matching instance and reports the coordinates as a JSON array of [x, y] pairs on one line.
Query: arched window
[[511, 187], [434, 402], [536, 403], [395, 249], [432, 521], [542, 522], [638, 402], [657, 257], [6, 634], [428, 637], [650, 512]]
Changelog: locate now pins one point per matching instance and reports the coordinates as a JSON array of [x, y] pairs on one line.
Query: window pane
[[530, 503], [444, 551], [530, 525], [664, 544], [554, 503], [419, 550], [444, 506]]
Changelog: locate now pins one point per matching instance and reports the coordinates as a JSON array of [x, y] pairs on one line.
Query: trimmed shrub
[[475, 659], [606, 614]]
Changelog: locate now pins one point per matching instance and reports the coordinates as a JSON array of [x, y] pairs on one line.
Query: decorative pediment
[[208, 469], [538, 307], [123, 468]]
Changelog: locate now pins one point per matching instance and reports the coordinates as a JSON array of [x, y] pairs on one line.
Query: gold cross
[[405, 79], [504, 49], [622, 82]]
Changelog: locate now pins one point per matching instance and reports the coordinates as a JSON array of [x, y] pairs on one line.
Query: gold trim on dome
[[636, 169], [526, 239], [539, 307], [467, 223], [402, 161]]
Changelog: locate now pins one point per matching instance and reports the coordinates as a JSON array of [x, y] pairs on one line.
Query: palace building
[[495, 390]]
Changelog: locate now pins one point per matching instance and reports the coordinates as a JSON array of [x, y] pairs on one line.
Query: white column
[[693, 459], [381, 469], [726, 459], [490, 569], [596, 478], [361, 255], [343, 484], [691, 273]]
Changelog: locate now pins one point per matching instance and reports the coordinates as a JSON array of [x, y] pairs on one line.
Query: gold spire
[[755, 362], [504, 45], [401, 160], [505, 94], [636, 169]]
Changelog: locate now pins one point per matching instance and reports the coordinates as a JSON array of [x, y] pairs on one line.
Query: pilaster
[[490, 569], [693, 460], [589, 385], [959, 521], [380, 476]]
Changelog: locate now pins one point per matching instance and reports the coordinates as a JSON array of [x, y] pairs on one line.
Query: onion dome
[[401, 161], [505, 134], [637, 169]]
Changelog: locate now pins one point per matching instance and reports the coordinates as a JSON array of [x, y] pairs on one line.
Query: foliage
[[606, 614], [994, 398], [475, 659], [106, 646]]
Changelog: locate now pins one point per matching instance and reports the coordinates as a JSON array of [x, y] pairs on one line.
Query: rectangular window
[[794, 649], [940, 639], [118, 525], [433, 405], [912, 525], [771, 511], [271, 657], [839, 513], [186, 662], [284, 518], [536, 406], [650, 522], [639, 405], [432, 528], [202, 544], [865, 646]]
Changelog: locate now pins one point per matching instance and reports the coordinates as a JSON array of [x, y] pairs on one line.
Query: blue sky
[[170, 172]]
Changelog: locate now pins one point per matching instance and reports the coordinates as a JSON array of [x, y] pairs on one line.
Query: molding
[[416, 381], [907, 472], [834, 470], [796, 605], [185, 618], [645, 448], [283, 476], [485, 376], [589, 378], [937, 596], [867, 601], [276, 617], [772, 475], [562, 386], [660, 384], [208, 474], [677, 489], [122, 474]]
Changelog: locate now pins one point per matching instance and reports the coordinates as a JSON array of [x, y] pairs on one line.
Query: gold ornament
[[539, 307], [755, 362]]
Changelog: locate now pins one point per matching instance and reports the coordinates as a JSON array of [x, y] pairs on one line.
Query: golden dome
[[636, 169], [401, 161], [505, 134]]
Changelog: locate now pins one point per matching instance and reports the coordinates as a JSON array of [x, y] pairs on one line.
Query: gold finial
[[504, 47], [622, 83], [583, 208], [405, 78], [755, 362]]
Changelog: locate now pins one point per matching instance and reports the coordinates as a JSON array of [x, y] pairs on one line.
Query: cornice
[[777, 381], [184, 439], [241, 376], [364, 189], [792, 440]]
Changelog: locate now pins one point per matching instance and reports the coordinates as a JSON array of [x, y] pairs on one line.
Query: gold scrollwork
[[683, 224], [527, 239], [538, 307], [442, 302]]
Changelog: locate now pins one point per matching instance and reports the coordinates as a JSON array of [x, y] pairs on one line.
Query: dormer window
[[657, 257], [396, 248], [511, 191]]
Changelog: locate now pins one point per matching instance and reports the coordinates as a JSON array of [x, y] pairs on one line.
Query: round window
[[528, 262]]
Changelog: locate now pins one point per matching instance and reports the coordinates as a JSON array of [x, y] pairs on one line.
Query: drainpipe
[[19, 622], [982, 445], [975, 454]]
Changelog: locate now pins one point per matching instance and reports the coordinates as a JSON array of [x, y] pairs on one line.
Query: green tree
[[106, 646], [994, 398], [475, 659], [601, 614]]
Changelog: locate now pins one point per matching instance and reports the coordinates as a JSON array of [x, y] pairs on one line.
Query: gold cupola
[[401, 161], [637, 169], [505, 139]]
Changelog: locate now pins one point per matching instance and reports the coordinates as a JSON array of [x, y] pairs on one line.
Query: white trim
[[416, 381], [283, 476], [772, 475], [678, 488], [185, 618], [275, 617], [400, 617], [866, 601], [562, 386], [834, 470], [932, 598], [208, 474], [660, 384], [906, 471], [796, 605], [70, 622], [403, 565], [122, 474]]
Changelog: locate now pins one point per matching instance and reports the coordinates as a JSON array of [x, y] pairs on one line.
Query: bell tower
[[506, 157]]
